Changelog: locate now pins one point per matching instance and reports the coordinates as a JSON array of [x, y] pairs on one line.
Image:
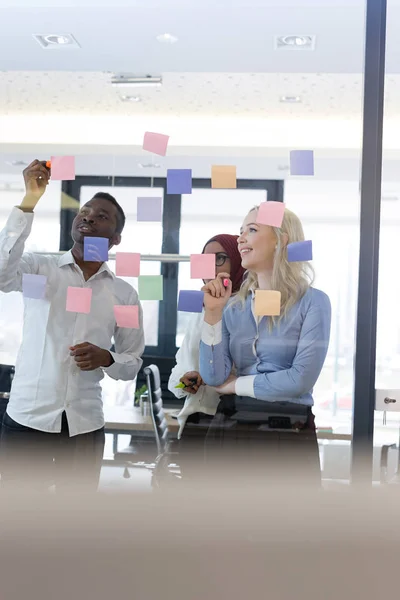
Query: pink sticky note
[[127, 264], [202, 266], [127, 316], [63, 168], [271, 213], [79, 300], [156, 143]]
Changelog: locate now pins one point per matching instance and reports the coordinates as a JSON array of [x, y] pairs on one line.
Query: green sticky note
[[180, 385], [150, 287]]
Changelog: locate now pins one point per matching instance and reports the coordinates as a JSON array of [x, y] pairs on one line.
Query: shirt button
[[211, 362]]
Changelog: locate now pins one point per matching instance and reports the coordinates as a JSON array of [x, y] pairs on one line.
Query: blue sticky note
[[299, 251], [191, 301], [34, 286], [302, 162], [95, 249], [179, 181]]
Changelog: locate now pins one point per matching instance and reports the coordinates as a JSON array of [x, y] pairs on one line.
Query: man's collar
[[68, 259]]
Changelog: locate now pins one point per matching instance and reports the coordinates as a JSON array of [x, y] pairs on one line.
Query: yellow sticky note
[[223, 177], [267, 303]]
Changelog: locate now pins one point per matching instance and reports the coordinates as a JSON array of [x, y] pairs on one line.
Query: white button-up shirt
[[47, 380]]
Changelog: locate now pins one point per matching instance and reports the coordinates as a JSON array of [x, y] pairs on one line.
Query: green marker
[[180, 386]]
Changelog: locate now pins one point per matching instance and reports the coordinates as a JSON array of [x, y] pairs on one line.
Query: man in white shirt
[[53, 430]]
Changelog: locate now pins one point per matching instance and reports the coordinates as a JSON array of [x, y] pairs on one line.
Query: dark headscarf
[[229, 244]]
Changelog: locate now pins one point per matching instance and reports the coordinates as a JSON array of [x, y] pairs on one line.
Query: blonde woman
[[277, 359]]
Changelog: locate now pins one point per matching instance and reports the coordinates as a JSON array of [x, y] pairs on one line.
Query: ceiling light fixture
[[167, 38], [290, 99], [125, 80], [56, 41], [301, 42], [16, 163], [130, 98], [149, 166]]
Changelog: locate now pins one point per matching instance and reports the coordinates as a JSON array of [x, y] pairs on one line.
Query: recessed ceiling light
[[130, 98], [166, 38], [124, 80], [290, 99], [53, 41], [304, 42]]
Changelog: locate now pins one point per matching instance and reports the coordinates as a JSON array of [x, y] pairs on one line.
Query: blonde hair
[[291, 279]]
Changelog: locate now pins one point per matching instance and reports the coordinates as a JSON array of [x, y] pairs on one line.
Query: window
[[45, 237]]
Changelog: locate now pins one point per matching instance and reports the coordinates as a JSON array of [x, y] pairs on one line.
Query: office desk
[[128, 420]]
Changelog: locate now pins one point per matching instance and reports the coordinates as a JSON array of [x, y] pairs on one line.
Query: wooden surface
[[128, 418]]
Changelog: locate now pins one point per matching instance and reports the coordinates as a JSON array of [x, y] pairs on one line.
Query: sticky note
[[202, 266], [149, 209], [63, 168], [95, 249], [127, 316], [271, 213], [179, 181], [79, 299], [34, 286], [299, 251], [127, 264], [223, 177], [191, 301], [156, 143], [267, 303], [302, 162], [151, 287]]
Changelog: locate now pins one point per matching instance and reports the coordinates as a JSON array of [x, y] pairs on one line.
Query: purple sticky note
[[191, 301], [149, 209], [95, 249], [79, 300], [34, 286], [127, 264], [302, 162], [299, 251], [127, 316], [155, 142], [63, 168], [271, 213], [179, 181], [202, 266]]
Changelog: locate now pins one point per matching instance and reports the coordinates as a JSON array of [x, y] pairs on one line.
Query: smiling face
[[222, 260], [97, 218], [257, 244]]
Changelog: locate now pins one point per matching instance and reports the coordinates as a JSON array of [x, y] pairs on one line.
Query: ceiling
[[222, 82], [222, 36]]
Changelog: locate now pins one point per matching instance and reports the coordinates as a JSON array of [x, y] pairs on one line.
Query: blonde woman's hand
[[216, 296]]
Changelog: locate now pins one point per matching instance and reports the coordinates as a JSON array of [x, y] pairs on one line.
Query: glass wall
[[291, 86]]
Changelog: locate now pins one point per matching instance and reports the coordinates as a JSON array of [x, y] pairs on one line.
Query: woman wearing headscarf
[[201, 401]]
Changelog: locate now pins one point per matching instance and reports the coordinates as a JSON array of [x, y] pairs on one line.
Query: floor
[[112, 480]]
